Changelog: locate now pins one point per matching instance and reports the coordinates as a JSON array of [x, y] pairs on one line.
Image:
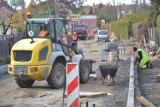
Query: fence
[[6, 43]]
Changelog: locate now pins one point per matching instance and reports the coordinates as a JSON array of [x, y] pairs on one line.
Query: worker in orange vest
[[64, 40], [44, 32], [75, 38]]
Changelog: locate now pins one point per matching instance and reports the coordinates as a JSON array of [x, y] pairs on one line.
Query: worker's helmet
[[28, 13], [69, 33], [135, 49]]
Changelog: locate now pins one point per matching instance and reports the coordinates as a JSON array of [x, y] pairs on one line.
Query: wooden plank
[[92, 94]]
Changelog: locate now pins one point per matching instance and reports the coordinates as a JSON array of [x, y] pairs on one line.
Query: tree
[[154, 12], [18, 21], [106, 12], [12, 17], [6, 23], [16, 3], [62, 9], [6, 15], [152, 19]]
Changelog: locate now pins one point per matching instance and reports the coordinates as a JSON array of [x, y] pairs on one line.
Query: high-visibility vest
[[43, 33], [65, 40], [145, 58], [74, 37]]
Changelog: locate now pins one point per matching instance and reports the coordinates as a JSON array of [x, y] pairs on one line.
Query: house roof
[[6, 8]]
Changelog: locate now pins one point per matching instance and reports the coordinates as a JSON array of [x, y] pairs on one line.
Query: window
[[36, 27], [52, 30], [59, 28], [103, 33]]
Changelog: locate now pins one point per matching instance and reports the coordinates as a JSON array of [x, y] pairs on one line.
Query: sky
[[90, 2]]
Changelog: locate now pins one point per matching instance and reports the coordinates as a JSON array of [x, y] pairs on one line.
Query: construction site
[[94, 91], [89, 59]]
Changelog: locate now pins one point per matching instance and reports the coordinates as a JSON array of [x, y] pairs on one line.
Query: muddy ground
[[41, 94], [150, 83]]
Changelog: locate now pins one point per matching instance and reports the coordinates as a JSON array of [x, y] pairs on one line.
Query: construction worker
[[44, 32], [67, 41], [142, 60], [69, 38], [112, 38], [64, 39], [75, 39]]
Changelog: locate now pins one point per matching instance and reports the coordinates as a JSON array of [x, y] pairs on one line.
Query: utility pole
[[23, 10], [144, 5], [49, 11], [39, 9], [55, 7]]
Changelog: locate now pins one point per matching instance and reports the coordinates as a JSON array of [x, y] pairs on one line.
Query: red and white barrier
[[72, 81]]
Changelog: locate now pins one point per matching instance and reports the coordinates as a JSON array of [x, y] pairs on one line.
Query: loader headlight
[[34, 69], [10, 69]]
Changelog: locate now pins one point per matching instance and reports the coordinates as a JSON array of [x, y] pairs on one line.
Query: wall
[[90, 21], [6, 43]]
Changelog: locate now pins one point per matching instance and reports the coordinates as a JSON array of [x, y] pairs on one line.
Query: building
[[5, 10], [123, 9], [90, 21]]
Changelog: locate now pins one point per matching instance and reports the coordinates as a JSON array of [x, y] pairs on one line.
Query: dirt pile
[[156, 64]]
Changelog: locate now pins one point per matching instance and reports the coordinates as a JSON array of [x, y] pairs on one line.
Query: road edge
[[3, 69]]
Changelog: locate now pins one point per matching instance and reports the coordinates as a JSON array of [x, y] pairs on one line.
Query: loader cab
[[56, 30], [55, 27]]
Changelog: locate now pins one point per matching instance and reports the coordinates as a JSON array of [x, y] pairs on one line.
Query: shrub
[[158, 24], [120, 29], [123, 28]]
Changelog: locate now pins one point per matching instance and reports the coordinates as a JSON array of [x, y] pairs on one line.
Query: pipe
[[144, 101]]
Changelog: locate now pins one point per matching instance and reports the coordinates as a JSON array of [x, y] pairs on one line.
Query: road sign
[[72, 79]]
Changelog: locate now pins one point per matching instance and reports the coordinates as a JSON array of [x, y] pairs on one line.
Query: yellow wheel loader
[[44, 57]]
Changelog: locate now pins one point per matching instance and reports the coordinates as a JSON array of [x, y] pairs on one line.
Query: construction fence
[[6, 43]]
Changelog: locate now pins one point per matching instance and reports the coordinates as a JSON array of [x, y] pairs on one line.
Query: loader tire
[[57, 76], [24, 83], [84, 71]]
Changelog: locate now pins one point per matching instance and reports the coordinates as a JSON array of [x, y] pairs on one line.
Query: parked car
[[102, 35]]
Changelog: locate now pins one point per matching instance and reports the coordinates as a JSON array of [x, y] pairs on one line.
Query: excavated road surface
[[41, 94]]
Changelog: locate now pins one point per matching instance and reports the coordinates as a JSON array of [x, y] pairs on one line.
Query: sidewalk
[[3, 69]]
